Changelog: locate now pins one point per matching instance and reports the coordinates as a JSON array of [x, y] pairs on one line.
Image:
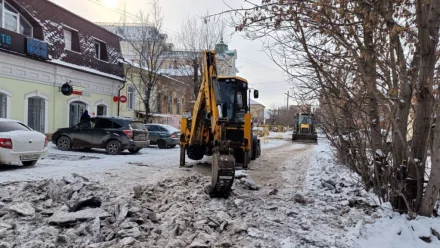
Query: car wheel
[[172, 146], [29, 163], [63, 143], [113, 147], [162, 144], [134, 150]]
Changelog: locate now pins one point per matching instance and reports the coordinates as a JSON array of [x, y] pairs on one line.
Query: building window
[[130, 98], [76, 109], [67, 39], [13, 21], [169, 104], [3, 105], [178, 102], [25, 28], [101, 110], [100, 50], [159, 103], [36, 114], [71, 40]]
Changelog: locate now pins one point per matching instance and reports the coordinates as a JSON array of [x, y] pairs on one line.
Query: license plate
[[29, 157], [140, 138]]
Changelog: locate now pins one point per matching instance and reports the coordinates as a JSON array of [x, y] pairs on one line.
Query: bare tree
[[146, 49], [364, 60], [197, 33]]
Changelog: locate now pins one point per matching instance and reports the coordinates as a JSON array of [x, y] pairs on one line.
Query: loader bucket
[[305, 138]]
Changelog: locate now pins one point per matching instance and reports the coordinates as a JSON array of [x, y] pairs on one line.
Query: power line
[[264, 68], [258, 64], [279, 82]]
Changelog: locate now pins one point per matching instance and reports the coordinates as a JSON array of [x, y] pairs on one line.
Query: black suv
[[115, 134]]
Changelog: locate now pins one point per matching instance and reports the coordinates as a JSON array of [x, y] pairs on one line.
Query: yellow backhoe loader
[[220, 126], [305, 130]]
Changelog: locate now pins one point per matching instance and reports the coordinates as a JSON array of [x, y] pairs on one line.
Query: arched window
[[13, 21], [37, 113]]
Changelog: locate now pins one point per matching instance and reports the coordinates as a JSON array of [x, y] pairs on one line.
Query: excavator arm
[[209, 105], [208, 101]]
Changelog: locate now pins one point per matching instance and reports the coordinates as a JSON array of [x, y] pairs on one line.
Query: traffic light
[[66, 89]]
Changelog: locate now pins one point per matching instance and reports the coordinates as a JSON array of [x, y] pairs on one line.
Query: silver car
[[164, 136]]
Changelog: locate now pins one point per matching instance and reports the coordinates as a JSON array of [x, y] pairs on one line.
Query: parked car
[[115, 134], [20, 144], [164, 136]]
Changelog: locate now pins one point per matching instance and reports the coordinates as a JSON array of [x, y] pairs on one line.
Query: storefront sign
[[21, 44], [12, 41], [77, 92], [36, 48], [66, 89]]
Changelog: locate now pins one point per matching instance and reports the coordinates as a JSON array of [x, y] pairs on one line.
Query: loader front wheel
[[195, 152]]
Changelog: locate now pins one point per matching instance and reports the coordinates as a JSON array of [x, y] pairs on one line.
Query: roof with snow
[[253, 102]]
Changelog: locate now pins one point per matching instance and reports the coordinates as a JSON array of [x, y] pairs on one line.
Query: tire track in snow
[[284, 167]]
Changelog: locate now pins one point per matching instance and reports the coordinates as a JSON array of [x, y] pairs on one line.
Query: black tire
[[195, 152], [254, 153], [162, 144], [133, 151], [29, 163], [172, 146], [63, 143], [245, 160], [113, 147], [258, 149]]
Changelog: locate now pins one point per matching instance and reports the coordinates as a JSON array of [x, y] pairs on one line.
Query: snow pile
[[281, 135], [343, 206], [74, 212], [396, 230]]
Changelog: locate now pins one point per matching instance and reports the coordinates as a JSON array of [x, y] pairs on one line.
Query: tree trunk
[[428, 20], [403, 108], [432, 190], [147, 104]]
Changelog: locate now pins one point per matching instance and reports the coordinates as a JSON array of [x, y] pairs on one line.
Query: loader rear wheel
[[254, 152], [245, 160]]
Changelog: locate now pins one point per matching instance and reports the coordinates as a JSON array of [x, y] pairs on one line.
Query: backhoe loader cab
[[220, 126]]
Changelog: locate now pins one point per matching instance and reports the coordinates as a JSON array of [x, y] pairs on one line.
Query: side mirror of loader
[[255, 93]]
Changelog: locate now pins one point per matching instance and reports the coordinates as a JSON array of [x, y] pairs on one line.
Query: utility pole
[[288, 96]]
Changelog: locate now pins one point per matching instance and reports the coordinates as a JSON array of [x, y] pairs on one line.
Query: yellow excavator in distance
[[220, 126]]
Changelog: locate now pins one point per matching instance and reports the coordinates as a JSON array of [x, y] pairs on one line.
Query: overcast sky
[[252, 62]]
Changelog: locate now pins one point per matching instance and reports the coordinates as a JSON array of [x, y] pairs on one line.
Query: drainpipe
[[123, 86], [119, 95]]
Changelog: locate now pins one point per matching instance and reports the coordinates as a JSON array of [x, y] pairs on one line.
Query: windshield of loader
[[305, 119], [234, 98]]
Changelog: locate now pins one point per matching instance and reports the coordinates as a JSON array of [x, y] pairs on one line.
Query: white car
[[20, 144]]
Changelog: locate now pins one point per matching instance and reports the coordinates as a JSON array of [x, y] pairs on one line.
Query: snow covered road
[[148, 166], [294, 195]]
